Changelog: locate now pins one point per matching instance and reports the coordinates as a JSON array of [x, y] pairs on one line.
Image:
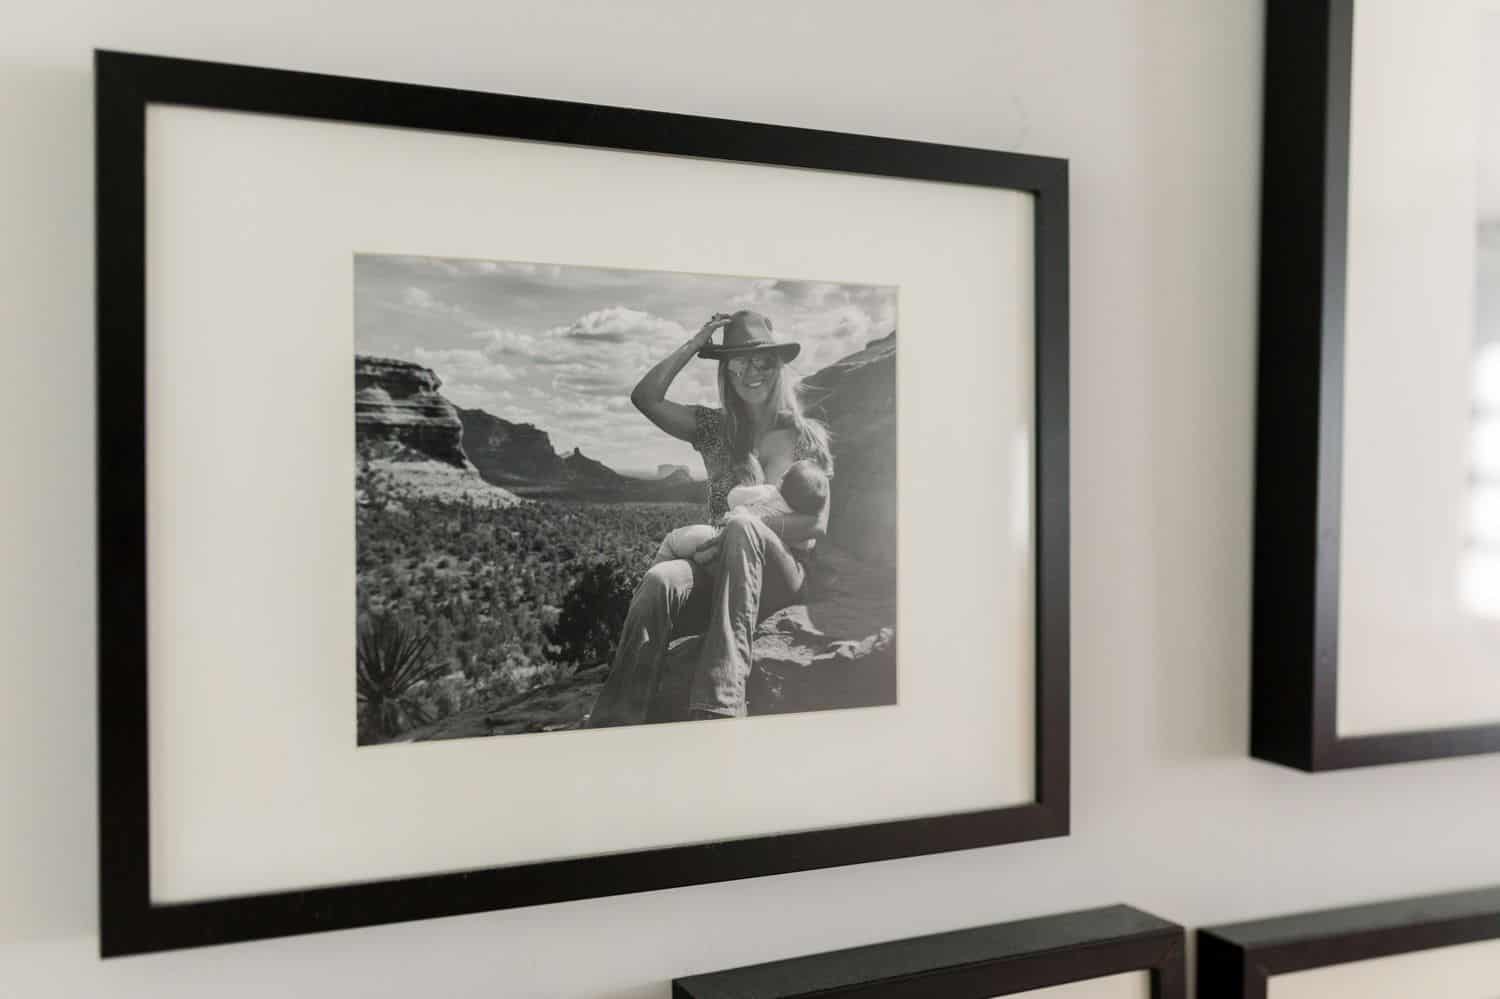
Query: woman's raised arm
[[650, 394]]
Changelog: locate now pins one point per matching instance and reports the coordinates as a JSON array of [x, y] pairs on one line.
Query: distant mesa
[[508, 452], [520, 457], [578, 467]]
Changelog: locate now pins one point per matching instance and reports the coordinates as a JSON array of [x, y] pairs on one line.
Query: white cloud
[[620, 324], [469, 366], [536, 347], [602, 352], [418, 301]]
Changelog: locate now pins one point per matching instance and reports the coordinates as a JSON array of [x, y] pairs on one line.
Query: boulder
[[798, 668], [856, 398]]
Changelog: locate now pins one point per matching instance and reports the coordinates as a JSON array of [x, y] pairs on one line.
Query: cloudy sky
[[561, 347]]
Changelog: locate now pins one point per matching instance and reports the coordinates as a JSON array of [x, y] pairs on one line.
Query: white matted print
[[256, 226], [591, 497], [1465, 971], [1419, 593]]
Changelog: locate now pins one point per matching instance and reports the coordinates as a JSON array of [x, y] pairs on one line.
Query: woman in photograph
[[755, 564]]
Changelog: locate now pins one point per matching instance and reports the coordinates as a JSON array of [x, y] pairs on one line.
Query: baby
[[803, 489]]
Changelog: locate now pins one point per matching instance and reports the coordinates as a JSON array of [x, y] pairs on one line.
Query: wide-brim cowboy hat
[[749, 333]]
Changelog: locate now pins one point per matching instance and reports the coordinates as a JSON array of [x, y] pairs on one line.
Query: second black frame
[[1300, 407], [1238, 961], [980, 963], [126, 85]]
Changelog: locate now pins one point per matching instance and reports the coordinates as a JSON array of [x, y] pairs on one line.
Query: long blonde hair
[[812, 435]]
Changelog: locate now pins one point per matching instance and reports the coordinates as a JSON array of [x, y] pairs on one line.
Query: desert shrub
[[505, 607], [451, 696], [393, 663], [593, 611]]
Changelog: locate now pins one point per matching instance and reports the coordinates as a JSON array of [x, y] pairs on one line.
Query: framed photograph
[[1377, 512], [463, 456], [1110, 953], [1440, 945]]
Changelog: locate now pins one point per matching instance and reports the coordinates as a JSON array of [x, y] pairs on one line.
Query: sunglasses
[[760, 362]]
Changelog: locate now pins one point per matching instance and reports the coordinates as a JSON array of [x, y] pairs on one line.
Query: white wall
[[1156, 102]]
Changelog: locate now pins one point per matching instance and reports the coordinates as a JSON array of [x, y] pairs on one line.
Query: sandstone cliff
[[505, 452], [409, 437], [399, 401], [856, 397]]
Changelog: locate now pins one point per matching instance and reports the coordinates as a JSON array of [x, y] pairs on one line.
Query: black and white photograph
[[591, 497]]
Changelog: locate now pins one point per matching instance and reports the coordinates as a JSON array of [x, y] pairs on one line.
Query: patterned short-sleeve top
[[710, 440]]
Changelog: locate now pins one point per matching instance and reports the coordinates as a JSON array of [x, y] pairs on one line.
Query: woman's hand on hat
[[717, 321]]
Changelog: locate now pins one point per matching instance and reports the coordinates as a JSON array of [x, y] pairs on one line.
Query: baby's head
[[805, 487]]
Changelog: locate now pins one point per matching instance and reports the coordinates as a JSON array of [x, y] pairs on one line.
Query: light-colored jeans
[[757, 577]]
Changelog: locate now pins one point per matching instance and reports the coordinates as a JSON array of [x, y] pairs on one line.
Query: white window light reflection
[[1487, 379], [1484, 446], [1479, 572], [1484, 515]]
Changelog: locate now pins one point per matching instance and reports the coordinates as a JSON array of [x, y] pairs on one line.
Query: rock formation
[[505, 452], [579, 467], [856, 397], [409, 438], [389, 471], [520, 456], [399, 401]]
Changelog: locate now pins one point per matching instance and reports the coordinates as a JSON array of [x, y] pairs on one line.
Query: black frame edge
[[1299, 408], [125, 84], [977, 963], [1224, 970], [1289, 383], [120, 464], [1237, 960], [1051, 519]]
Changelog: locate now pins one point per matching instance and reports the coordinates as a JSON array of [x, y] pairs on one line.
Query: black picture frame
[[978, 963], [1239, 960], [1300, 408], [126, 84]]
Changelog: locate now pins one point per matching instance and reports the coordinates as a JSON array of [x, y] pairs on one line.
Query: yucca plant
[[392, 659]]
